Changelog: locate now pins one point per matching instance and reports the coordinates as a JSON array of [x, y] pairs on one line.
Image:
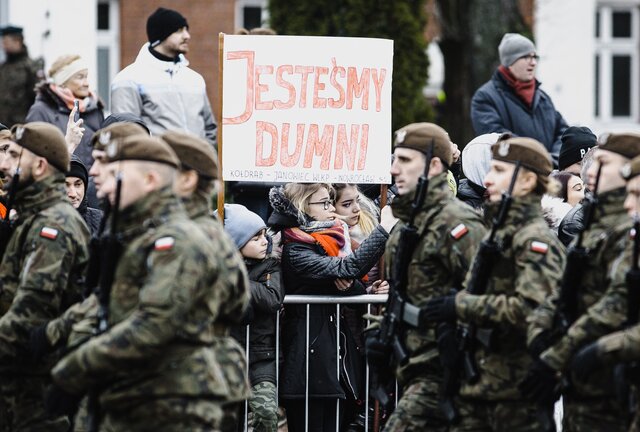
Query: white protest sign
[[306, 109]]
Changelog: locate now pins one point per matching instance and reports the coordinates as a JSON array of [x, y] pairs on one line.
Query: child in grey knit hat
[[248, 231]]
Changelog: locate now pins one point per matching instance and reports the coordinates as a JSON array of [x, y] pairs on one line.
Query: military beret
[[625, 144], [193, 152], [115, 131], [141, 148], [529, 152], [631, 169], [10, 30], [419, 136], [44, 140]]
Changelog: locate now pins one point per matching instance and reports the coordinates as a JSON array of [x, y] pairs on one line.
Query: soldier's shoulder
[[63, 217], [536, 236], [457, 210]]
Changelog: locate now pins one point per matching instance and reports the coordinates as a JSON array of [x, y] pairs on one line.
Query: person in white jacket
[[159, 87]]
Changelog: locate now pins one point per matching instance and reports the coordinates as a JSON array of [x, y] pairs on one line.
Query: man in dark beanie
[[576, 142], [511, 101], [76, 185], [41, 270], [161, 69]]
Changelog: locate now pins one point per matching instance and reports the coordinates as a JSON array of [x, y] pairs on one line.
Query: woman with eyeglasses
[[317, 259]]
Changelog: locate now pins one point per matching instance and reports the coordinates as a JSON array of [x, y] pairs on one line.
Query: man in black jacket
[[76, 186], [511, 101]]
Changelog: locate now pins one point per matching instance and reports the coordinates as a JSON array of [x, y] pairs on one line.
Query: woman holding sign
[[317, 260]]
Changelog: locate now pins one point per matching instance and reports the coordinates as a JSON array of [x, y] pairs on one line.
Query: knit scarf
[[524, 90], [67, 97], [332, 236]]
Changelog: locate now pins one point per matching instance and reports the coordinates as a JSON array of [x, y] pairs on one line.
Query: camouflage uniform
[[528, 269], [439, 264], [590, 404], [41, 274], [18, 78], [234, 296], [155, 367]]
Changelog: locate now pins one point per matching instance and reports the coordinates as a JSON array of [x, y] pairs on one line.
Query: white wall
[[564, 32], [56, 27]]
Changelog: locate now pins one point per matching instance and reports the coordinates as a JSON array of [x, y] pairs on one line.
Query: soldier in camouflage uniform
[[450, 232], [18, 77], [527, 270], [41, 270], [590, 404], [155, 367], [195, 186]]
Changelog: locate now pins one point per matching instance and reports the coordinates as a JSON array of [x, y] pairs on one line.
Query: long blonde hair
[[368, 211], [300, 193]]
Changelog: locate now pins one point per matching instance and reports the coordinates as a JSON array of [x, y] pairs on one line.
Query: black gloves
[[39, 343], [585, 361], [440, 309], [540, 384], [378, 354], [59, 402], [540, 343]]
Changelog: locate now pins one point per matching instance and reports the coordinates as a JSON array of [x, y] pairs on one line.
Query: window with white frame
[[108, 49], [616, 63], [250, 13]]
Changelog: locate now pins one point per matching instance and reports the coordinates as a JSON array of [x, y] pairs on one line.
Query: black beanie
[[162, 23], [77, 169], [576, 142]]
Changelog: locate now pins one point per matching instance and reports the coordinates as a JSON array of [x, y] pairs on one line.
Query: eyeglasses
[[325, 204], [531, 57]]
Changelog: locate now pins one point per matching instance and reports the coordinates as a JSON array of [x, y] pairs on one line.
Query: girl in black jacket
[[317, 260]]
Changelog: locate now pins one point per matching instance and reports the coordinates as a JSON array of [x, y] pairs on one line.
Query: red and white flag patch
[[164, 243], [540, 247], [50, 233], [459, 231]]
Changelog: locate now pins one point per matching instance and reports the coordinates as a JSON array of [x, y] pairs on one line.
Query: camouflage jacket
[[18, 78], [162, 311], [528, 270], [602, 294], [234, 297], [450, 232], [42, 269]]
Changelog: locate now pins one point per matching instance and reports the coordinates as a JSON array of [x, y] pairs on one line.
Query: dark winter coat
[[51, 109], [267, 295], [308, 270], [496, 108], [92, 216], [472, 194], [571, 225]]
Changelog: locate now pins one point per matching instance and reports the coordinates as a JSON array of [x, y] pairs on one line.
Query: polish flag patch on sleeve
[[540, 247], [164, 243], [459, 231], [50, 233]]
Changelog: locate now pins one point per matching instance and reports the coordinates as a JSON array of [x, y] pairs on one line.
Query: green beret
[[631, 169], [625, 144], [141, 148], [44, 140], [115, 131], [419, 136], [193, 152], [529, 152]]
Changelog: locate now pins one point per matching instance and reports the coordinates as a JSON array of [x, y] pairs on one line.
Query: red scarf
[[524, 90], [331, 239]]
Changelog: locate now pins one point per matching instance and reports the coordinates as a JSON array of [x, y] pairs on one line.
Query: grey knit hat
[[512, 47], [241, 224]]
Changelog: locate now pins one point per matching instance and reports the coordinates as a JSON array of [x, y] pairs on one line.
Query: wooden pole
[[220, 126]]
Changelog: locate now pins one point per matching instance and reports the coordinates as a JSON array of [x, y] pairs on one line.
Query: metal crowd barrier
[[367, 299]]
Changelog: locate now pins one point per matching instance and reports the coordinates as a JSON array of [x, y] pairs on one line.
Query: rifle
[[6, 227], [577, 256], [486, 258], [398, 310], [112, 248]]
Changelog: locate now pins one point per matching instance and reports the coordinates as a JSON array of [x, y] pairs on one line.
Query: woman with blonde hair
[[67, 84], [317, 259]]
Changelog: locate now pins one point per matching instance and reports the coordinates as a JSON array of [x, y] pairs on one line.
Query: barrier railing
[[368, 299]]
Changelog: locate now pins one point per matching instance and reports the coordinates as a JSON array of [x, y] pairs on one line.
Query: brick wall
[[206, 19]]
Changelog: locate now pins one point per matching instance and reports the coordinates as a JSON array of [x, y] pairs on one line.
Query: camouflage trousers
[[418, 408], [264, 406], [503, 416], [165, 415], [594, 415], [22, 406]]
